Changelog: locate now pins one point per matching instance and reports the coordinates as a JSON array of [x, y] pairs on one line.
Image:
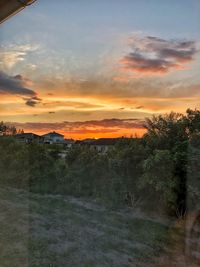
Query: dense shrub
[[162, 168]]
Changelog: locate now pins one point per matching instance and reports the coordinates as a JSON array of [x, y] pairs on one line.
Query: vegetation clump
[[161, 170]]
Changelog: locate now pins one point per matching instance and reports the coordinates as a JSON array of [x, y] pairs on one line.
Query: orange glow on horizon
[[95, 135]]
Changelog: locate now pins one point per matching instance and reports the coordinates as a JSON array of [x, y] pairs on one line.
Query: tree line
[[6, 130], [160, 171]]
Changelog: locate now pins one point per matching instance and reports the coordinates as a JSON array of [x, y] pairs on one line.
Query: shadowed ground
[[50, 230]]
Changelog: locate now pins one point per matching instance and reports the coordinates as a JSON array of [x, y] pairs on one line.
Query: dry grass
[[56, 231]]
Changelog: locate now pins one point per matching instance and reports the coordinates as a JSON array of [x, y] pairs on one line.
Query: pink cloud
[[152, 55]]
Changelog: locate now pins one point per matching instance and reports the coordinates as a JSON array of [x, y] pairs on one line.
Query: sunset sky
[[90, 68]]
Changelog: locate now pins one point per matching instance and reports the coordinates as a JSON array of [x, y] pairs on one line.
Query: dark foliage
[[159, 171]]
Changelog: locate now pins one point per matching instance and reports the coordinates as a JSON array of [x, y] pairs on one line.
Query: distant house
[[86, 142], [53, 138], [102, 145], [29, 138]]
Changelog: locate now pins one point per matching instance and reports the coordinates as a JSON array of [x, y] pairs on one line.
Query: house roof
[[53, 134], [10, 8], [105, 141], [87, 141], [99, 142], [27, 135]]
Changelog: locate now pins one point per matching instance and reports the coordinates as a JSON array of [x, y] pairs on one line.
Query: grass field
[[52, 230]]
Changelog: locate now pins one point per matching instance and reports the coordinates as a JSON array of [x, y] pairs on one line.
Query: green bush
[[162, 167]]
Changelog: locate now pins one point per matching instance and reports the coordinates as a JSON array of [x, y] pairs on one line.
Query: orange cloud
[[101, 91], [85, 129]]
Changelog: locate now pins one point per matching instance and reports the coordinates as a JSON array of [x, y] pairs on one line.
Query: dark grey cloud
[[155, 55], [15, 85], [33, 101], [179, 55], [139, 63]]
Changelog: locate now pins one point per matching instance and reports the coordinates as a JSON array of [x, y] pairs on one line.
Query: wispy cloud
[[76, 99], [152, 55], [12, 54], [108, 90], [66, 104]]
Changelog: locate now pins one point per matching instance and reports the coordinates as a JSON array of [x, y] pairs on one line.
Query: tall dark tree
[[170, 132], [7, 130]]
